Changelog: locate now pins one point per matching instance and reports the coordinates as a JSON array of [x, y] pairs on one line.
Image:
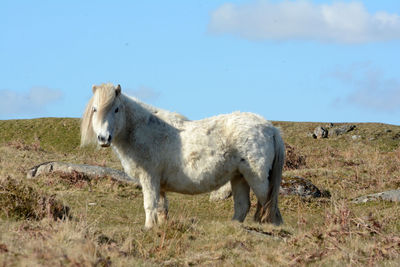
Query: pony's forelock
[[106, 96]]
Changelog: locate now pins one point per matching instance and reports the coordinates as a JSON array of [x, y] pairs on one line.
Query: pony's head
[[104, 116]]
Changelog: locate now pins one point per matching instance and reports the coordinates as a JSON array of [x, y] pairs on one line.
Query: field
[[61, 220]]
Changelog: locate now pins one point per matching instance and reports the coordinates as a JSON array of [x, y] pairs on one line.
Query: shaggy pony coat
[[168, 152]]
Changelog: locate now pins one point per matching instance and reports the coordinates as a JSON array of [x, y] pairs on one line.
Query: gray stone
[[329, 125], [320, 132], [331, 130], [336, 131], [396, 136], [290, 185], [89, 170], [222, 193], [392, 195], [310, 134], [295, 185]]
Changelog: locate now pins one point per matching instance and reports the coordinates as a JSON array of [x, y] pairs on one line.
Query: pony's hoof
[[162, 218], [147, 228]]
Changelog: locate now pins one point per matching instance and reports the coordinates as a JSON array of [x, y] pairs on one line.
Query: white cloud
[[340, 22], [371, 89], [33, 102]]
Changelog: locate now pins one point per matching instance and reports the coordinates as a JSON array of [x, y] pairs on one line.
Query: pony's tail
[[271, 212]]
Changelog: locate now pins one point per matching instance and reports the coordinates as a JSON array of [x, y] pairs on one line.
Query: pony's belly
[[195, 184], [201, 173]]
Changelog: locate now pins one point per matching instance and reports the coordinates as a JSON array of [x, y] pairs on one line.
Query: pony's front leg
[[151, 196]]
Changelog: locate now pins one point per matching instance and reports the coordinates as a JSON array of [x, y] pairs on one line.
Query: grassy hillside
[[105, 219], [53, 134]]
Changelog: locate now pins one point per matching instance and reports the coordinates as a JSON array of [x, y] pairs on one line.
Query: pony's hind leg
[[260, 189], [257, 214], [162, 210], [241, 198], [265, 211], [261, 192]]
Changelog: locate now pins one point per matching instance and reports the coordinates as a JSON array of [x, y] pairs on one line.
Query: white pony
[[167, 152]]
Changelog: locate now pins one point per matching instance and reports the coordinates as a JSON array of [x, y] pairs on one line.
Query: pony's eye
[[116, 110], [94, 109]]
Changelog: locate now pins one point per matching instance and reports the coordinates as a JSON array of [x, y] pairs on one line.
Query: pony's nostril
[[104, 139]]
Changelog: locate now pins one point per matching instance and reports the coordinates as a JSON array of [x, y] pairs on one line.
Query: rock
[[329, 125], [310, 134], [396, 136], [356, 137], [222, 193], [295, 185], [336, 131], [320, 132], [392, 195], [291, 185], [89, 170], [331, 130]]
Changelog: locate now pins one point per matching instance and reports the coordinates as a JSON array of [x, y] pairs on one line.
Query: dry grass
[[105, 226], [21, 201]]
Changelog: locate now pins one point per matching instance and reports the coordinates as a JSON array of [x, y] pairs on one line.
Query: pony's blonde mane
[[106, 97]]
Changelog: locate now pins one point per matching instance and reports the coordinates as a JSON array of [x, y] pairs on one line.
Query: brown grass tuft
[[21, 145], [22, 201], [75, 178], [293, 159]]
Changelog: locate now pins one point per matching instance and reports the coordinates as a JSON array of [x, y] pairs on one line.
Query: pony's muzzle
[[104, 141]]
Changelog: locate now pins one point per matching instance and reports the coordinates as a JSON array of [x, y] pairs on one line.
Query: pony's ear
[[118, 90], [94, 88]]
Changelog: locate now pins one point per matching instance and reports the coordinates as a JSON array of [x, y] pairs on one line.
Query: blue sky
[[327, 61]]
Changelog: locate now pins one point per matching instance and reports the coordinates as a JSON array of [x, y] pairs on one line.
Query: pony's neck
[[138, 113], [134, 110], [140, 126]]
